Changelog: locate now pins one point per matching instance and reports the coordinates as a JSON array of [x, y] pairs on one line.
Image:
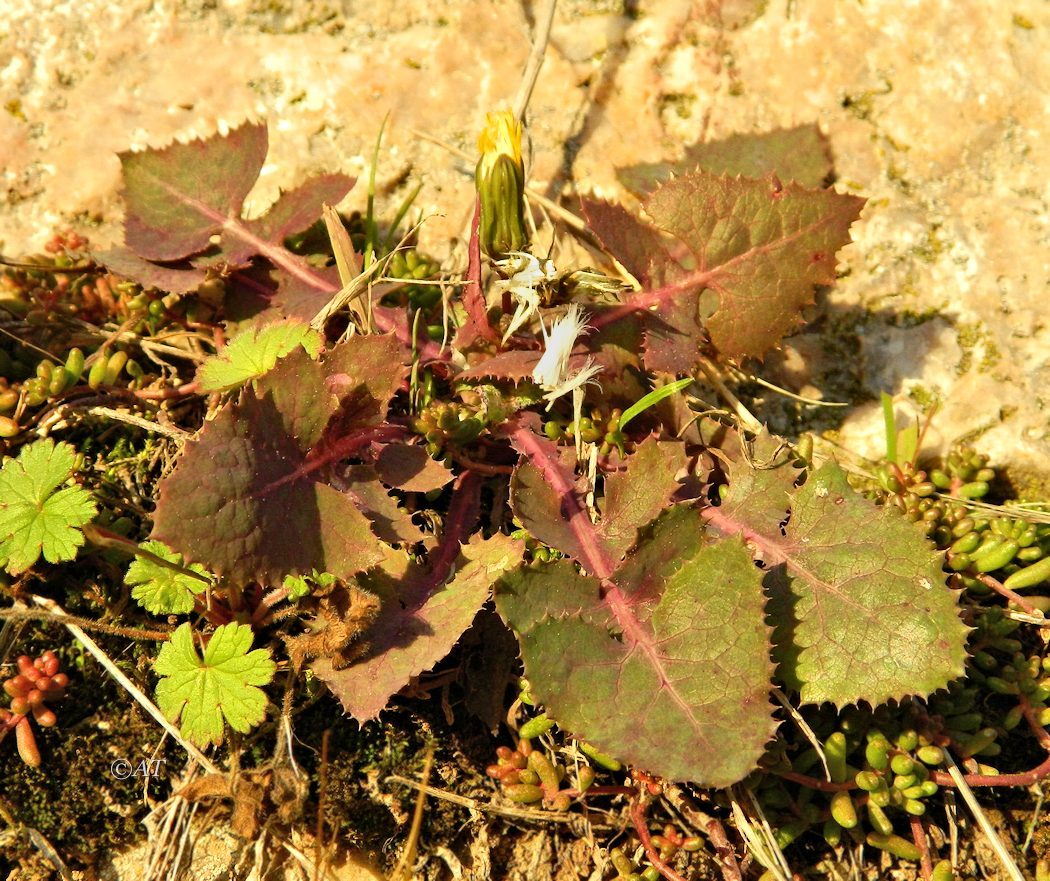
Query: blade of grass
[[370, 216], [406, 206], [891, 428], [654, 397]]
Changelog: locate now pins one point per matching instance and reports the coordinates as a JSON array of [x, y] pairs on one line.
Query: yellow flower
[[500, 137]]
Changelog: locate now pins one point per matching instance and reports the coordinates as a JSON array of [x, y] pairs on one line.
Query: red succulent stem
[[639, 809]]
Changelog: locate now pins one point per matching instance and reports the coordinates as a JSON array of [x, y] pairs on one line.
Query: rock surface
[[936, 111]]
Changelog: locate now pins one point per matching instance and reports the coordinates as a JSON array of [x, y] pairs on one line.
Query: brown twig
[[1013, 597]]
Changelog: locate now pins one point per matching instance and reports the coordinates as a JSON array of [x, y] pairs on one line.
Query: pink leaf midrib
[[287, 261], [598, 559], [644, 300]]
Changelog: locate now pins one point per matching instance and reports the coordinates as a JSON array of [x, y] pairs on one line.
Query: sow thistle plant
[[671, 575]]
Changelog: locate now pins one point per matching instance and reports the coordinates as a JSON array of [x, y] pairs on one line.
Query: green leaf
[[665, 665], [418, 622], [637, 495], [164, 590], [654, 397], [858, 594], [36, 517], [253, 352], [222, 685], [798, 154], [252, 497]]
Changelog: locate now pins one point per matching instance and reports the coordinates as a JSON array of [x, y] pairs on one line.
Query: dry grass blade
[[128, 685], [408, 854], [1007, 861], [752, 824], [808, 732]]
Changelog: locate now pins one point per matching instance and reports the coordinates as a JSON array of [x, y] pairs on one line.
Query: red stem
[[473, 296], [918, 835], [462, 515], [726, 855], [638, 810]]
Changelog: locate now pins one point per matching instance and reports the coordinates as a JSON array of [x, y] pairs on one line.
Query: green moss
[[974, 339], [924, 398], [933, 246], [679, 103]]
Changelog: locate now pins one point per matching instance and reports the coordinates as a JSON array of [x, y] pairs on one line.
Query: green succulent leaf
[[253, 352], [223, 685], [36, 517], [164, 590], [858, 594]]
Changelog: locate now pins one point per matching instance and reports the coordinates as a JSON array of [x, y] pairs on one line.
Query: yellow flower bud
[[500, 181]]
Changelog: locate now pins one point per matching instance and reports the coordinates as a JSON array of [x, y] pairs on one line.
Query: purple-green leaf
[[177, 198], [669, 672], [742, 259], [799, 154], [634, 497], [858, 594], [409, 468], [250, 498], [293, 212], [418, 623], [175, 279]]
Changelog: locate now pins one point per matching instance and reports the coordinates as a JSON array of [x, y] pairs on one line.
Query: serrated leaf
[[162, 590], [799, 154], [742, 261], [668, 672], [253, 351], [178, 278], [293, 212], [634, 497], [417, 624], [223, 685], [36, 517], [392, 523], [409, 468], [297, 587], [860, 599], [631, 240], [178, 197], [250, 497]]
